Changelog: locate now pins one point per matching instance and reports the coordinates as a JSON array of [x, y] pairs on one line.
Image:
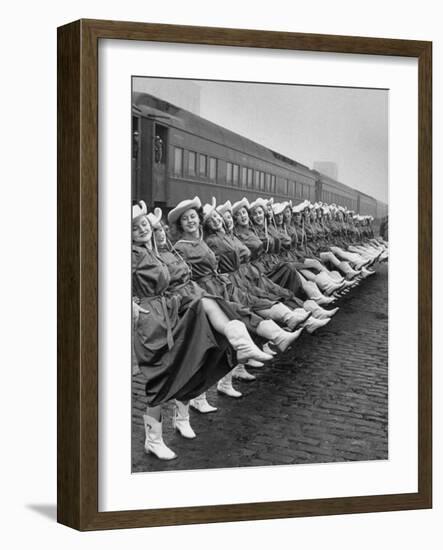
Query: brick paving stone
[[324, 400]]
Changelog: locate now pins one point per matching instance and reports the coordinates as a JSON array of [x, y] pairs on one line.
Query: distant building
[[185, 97], [327, 168]]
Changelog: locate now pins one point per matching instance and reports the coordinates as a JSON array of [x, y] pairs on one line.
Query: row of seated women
[[224, 287]]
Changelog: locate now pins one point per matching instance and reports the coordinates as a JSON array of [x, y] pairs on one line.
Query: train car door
[[135, 160], [142, 186], [149, 161], [159, 155]]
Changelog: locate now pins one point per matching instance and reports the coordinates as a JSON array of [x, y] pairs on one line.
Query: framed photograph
[[244, 275]]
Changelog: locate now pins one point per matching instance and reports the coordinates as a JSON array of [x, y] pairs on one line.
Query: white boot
[[281, 338], [324, 300], [327, 284], [348, 271], [321, 313], [349, 284], [224, 385], [240, 339], [311, 289], [180, 420], [267, 349], [362, 263], [154, 441], [314, 293], [291, 318], [366, 272], [254, 363], [298, 316], [241, 373], [201, 404], [313, 324], [317, 311], [336, 276]]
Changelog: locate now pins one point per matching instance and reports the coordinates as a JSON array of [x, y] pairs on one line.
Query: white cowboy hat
[[260, 202], [279, 207], [298, 208], [208, 209], [139, 209], [155, 217], [175, 213], [225, 207], [243, 203]]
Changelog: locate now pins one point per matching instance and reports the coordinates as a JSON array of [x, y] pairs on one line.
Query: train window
[[291, 189], [212, 169], [257, 179], [243, 176], [229, 173], [273, 184], [282, 186], [262, 181], [235, 173], [192, 163], [202, 165], [250, 182], [268, 183], [298, 190], [178, 161]]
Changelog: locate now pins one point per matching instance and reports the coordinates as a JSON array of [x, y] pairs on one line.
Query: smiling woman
[[141, 230]]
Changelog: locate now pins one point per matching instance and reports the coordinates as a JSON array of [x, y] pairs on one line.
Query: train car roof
[[152, 107]]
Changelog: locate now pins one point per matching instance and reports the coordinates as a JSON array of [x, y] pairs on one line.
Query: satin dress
[[295, 250], [204, 271], [177, 350], [271, 264], [229, 263], [261, 285], [311, 232], [278, 278], [288, 249]]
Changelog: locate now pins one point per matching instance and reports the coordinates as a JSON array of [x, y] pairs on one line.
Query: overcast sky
[[347, 126]]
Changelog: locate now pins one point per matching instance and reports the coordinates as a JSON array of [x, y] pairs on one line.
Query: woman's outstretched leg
[[236, 333]]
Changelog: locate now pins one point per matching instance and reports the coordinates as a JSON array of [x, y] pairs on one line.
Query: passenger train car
[[177, 155]]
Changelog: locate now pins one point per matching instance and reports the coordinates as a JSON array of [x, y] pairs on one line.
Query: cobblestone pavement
[[325, 400]]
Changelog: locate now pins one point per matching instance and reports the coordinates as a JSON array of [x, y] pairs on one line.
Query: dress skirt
[[177, 349]]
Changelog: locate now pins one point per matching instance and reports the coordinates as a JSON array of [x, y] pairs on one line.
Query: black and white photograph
[[231, 271], [259, 274]]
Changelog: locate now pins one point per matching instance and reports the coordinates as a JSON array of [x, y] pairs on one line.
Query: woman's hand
[[136, 310]]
